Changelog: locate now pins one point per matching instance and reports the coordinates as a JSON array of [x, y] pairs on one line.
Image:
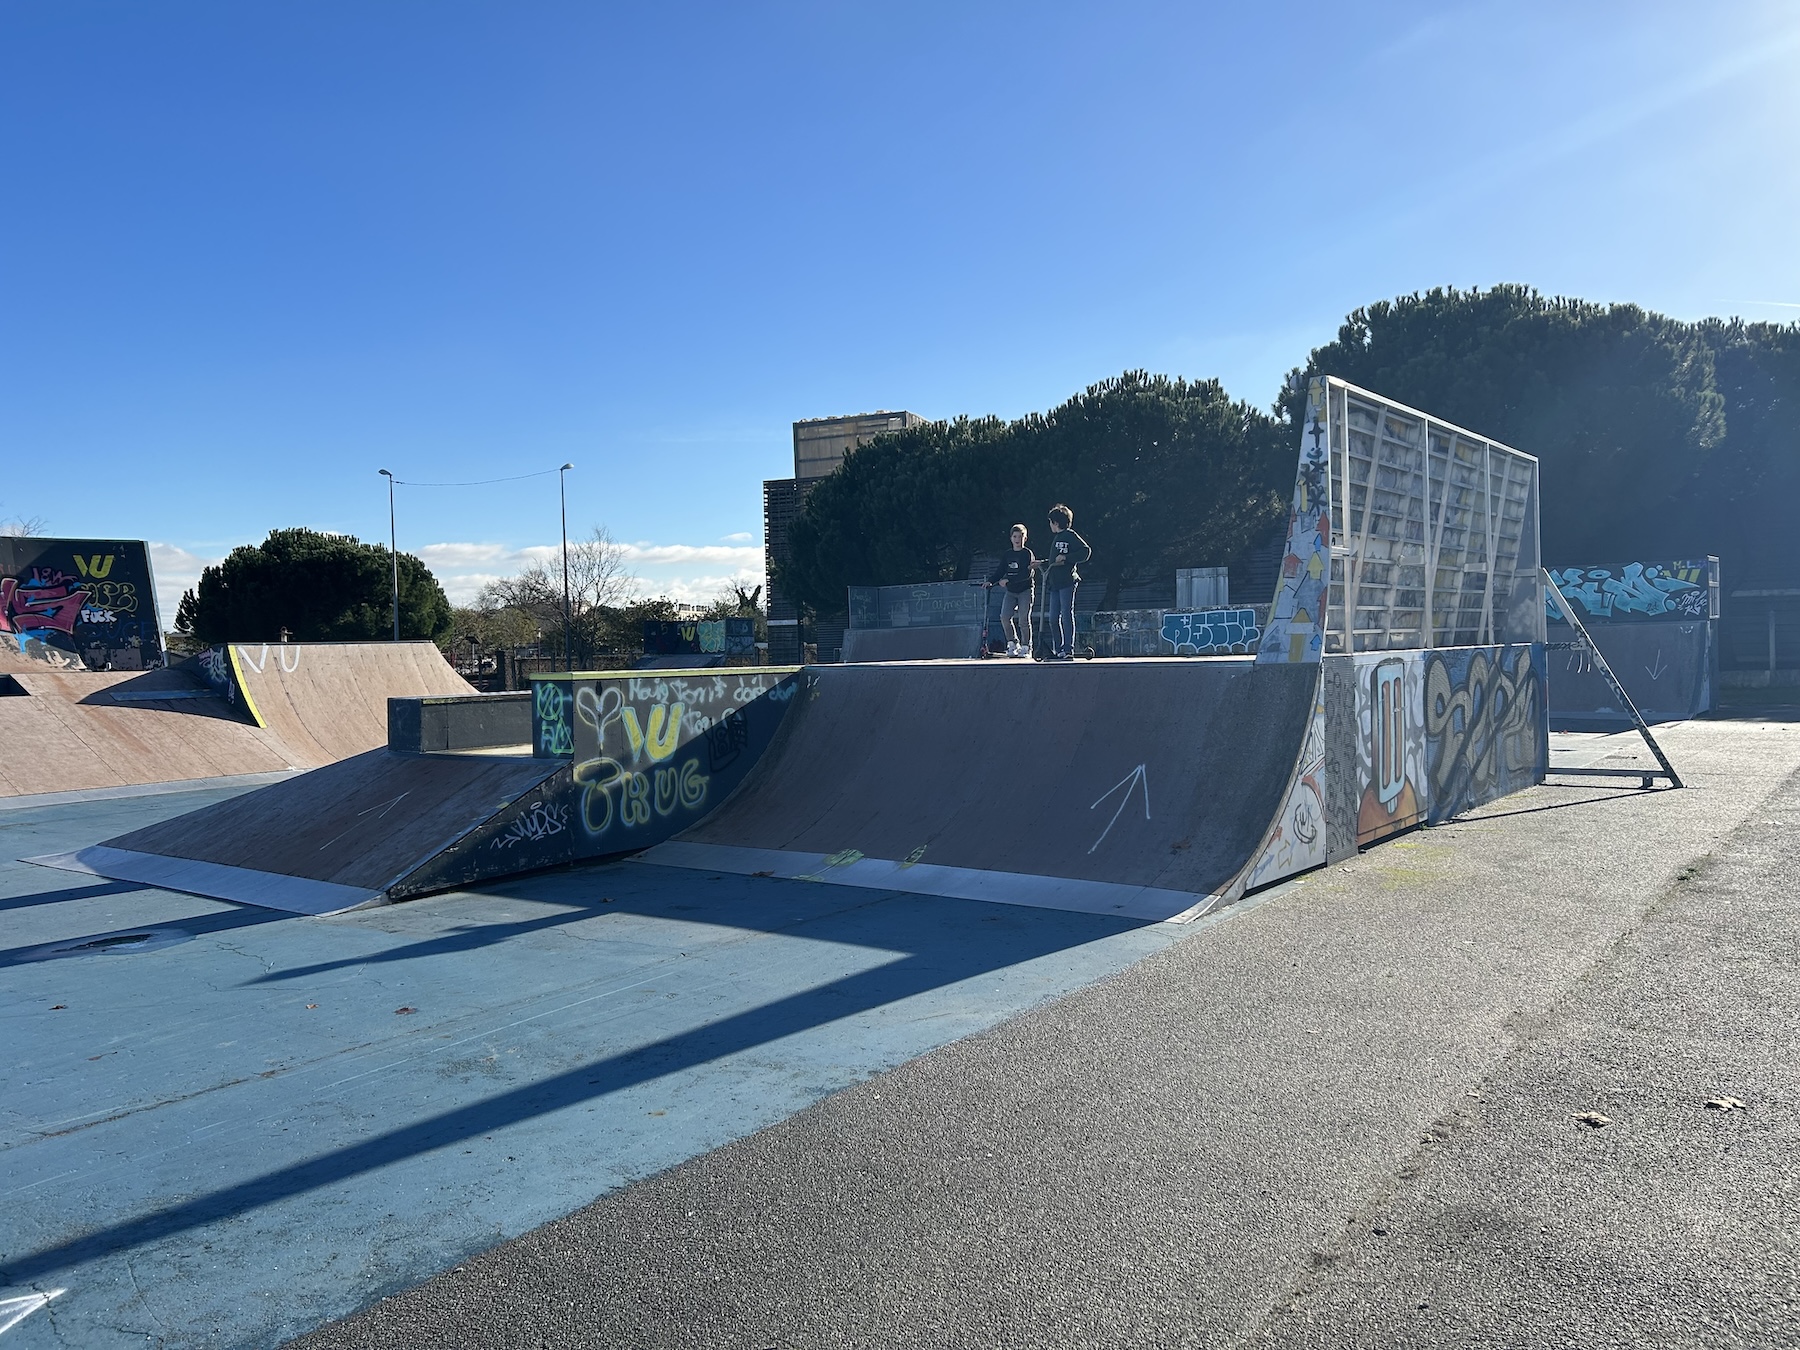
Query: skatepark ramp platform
[[1144, 788], [326, 701], [234, 710], [1400, 680], [614, 762]]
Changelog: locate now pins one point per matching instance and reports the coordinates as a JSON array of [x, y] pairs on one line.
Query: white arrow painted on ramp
[[377, 811], [1656, 674], [1136, 778], [15, 1310]]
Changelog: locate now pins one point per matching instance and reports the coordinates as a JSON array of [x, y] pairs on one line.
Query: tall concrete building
[[820, 444]]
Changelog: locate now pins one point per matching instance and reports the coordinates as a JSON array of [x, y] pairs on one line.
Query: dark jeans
[[1062, 619]]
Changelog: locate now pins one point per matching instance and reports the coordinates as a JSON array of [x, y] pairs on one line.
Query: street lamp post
[[562, 492], [393, 551]]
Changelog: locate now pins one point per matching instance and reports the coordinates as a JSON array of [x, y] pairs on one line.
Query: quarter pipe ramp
[[1143, 788]]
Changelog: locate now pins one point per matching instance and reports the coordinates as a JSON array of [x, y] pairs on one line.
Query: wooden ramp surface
[[326, 701], [70, 730]]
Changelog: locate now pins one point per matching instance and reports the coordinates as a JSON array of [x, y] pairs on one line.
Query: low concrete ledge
[[459, 722]]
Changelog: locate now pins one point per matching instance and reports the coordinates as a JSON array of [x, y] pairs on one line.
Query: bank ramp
[[232, 712], [469, 788], [1145, 788], [326, 701]]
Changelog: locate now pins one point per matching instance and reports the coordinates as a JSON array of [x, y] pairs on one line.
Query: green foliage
[[1160, 473], [320, 587], [1618, 404]]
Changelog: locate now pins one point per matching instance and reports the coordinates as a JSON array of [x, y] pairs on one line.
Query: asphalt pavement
[[1347, 1114]]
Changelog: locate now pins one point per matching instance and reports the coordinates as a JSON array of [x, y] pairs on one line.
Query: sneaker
[[1012, 649]]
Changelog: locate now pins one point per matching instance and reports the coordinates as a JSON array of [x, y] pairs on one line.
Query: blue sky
[[249, 254]]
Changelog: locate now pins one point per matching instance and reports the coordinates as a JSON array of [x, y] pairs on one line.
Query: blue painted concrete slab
[[224, 1126]]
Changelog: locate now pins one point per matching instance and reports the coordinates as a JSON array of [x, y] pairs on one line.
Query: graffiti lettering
[[1483, 719], [1635, 591], [635, 809], [540, 821], [663, 735], [47, 601], [1212, 632], [726, 739], [65, 604], [554, 737], [96, 565]]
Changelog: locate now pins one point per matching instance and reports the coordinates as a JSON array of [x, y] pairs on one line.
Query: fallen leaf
[[398, 1011], [1593, 1119], [312, 1005], [58, 1007], [1725, 1104]]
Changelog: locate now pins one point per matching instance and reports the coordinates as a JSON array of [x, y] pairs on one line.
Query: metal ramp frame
[[1584, 641]]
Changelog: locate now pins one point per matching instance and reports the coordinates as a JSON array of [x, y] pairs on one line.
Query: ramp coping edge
[[242, 885], [962, 883]]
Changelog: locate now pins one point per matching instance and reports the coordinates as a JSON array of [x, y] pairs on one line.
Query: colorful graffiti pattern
[[1298, 841], [1486, 724], [1390, 745], [727, 637], [1635, 592], [646, 748], [1212, 632], [69, 600], [80, 602], [1296, 629]]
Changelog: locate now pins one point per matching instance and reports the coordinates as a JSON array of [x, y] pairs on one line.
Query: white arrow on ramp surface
[[1136, 778], [15, 1310]]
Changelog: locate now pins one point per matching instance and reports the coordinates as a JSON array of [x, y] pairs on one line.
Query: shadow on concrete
[[944, 942], [1611, 794], [73, 893], [195, 926]]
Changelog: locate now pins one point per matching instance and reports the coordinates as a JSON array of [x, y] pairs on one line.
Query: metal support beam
[[1584, 639]]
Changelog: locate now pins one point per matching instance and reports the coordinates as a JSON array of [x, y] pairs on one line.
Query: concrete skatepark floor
[[806, 1115]]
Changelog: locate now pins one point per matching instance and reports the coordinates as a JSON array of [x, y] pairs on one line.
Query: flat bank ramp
[[76, 730], [1140, 788], [348, 834], [326, 701]]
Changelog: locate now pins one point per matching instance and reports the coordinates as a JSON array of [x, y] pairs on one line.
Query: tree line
[[1657, 438], [1161, 472], [308, 586]]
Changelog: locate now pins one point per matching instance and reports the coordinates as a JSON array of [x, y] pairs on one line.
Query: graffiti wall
[[1390, 744], [1212, 632], [1297, 842], [726, 637], [85, 601], [1638, 592], [646, 757], [1487, 731], [1296, 628], [1440, 732]]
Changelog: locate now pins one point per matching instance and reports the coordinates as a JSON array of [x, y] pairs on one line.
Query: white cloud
[[695, 573], [175, 570], [729, 554], [741, 537]]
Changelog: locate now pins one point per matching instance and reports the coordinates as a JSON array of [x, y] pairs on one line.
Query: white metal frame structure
[[1434, 531]]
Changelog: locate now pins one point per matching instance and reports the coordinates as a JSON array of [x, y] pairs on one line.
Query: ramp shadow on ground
[[911, 973]]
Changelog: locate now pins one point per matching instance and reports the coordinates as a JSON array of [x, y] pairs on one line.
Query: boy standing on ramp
[[1068, 551], [1014, 572]]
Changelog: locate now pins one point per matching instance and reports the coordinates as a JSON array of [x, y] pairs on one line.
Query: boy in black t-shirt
[[1068, 551], [1014, 572]]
